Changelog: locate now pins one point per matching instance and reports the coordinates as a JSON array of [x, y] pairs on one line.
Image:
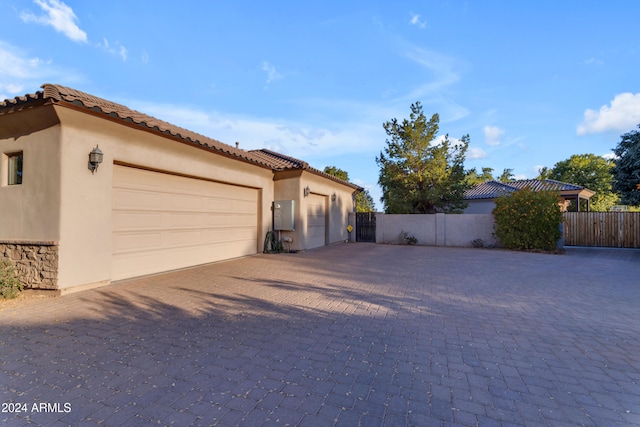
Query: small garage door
[[316, 221], [162, 222]]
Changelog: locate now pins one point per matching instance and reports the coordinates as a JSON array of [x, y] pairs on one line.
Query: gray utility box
[[283, 215]]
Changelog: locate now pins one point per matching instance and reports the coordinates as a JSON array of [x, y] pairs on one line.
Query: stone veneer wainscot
[[36, 262]]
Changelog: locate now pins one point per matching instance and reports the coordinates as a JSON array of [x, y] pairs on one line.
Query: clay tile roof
[[494, 189], [61, 94], [489, 190], [544, 185], [282, 162], [279, 161]]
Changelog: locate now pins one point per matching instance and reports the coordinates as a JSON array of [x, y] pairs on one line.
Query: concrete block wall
[[436, 229]]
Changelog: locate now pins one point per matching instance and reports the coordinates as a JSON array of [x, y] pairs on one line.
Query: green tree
[[337, 172], [364, 201], [418, 174], [543, 173], [590, 171], [626, 173], [506, 176], [473, 178]]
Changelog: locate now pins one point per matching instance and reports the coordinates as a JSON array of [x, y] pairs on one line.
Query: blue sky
[[531, 82]]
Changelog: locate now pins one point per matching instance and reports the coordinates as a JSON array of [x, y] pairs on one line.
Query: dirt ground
[[26, 297]]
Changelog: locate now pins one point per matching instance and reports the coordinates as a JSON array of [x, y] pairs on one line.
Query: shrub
[[527, 220], [406, 238], [10, 286], [477, 243]]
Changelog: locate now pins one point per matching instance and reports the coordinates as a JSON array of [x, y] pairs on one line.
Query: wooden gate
[[607, 229], [365, 227]]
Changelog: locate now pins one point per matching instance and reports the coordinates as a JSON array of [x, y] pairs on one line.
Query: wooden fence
[[610, 229]]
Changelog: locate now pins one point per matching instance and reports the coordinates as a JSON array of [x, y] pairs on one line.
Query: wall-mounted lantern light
[[95, 158], [307, 190], [333, 197]]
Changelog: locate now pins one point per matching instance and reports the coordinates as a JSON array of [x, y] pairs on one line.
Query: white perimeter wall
[[436, 229]]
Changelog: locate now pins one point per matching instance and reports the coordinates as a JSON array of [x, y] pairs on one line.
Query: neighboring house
[[163, 197], [481, 199]]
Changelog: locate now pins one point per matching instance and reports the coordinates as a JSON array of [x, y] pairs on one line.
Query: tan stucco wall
[[85, 209], [31, 210], [60, 201], [290, 186], [338, 210]]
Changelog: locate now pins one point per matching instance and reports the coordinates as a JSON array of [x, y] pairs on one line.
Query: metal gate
[[366, 227]]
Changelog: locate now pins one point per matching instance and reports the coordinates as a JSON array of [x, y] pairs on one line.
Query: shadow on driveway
[[345, 335]]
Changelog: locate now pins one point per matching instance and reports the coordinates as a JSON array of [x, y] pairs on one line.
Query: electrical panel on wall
[[283, 215]]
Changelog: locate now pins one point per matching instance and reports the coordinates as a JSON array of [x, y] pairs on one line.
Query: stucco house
[[93, 192], [481, 199]]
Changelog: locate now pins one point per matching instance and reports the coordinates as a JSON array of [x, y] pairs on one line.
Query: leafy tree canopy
[[473, 178], [506, 176], [364, 201], [590, 171], [417, 173], [626, 173], [337, 172]]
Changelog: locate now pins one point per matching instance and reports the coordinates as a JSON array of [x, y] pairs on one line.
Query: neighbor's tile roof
[[58, 94], [494, 189], [488, 190], [544, 185]]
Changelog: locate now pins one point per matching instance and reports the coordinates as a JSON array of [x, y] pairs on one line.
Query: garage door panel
[[128, 198], [162, 222], [136, 241], [316, 221], [123, 220], [183, 220]]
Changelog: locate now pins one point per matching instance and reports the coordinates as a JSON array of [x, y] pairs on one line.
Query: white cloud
[[443, 67], [20, 74], [475, 153], [117, 50], [593, 61], [415, 20], [297, 139], [270, 70], [493, 135], [445, 72], [622, 115], [59, 16]]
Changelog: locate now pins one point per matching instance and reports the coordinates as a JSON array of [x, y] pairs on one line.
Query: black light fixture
[[307, 190], [333, 197], [95, 158]]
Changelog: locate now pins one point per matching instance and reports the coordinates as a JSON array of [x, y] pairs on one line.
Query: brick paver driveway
[[353, 334]]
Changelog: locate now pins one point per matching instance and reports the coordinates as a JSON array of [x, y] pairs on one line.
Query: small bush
[[406, 238], [528, 220], [477, 243], [10, 286]]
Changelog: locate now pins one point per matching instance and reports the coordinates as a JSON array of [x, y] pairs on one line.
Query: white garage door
[[316, 221], [162, 222]]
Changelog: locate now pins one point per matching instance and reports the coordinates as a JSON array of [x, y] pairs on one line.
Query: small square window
[[15, 169]]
